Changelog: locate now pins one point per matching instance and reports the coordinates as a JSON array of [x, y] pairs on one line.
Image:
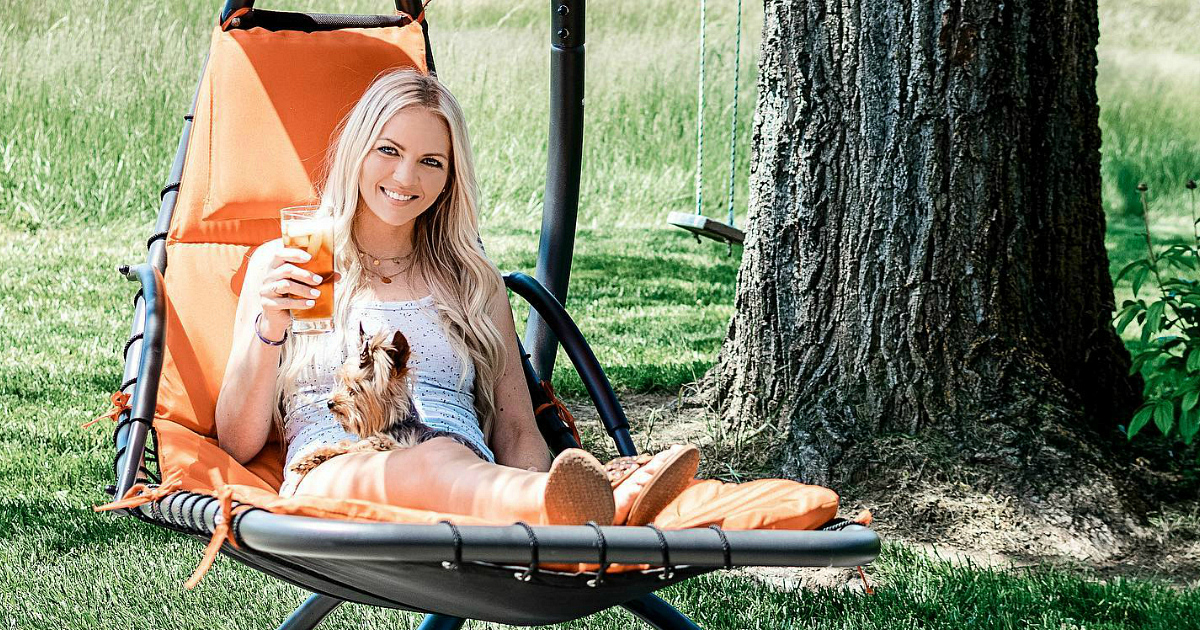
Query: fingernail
[[307, 256], [317, 279], [310, 303], [314, 292]]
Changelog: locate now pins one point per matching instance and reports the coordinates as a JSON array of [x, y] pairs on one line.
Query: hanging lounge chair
[[273, 87]]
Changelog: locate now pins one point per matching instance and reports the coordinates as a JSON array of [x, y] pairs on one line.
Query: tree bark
[[925, 253]]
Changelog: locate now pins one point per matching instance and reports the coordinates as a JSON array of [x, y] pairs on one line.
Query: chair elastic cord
[[835, 525], [129, 344], [458, 545], [185, 511], [188, 117], [173, 186], [724, 545], [235, 526], [603, 544], [157, 236], [127, 384], [130, 420], [155, 511], [668, 568], [532, 569]]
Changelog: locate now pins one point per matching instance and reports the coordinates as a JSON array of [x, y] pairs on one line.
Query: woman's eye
[[433, 162], [386, 150]]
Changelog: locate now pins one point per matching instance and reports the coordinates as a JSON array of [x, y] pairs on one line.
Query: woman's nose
[[404, 173]]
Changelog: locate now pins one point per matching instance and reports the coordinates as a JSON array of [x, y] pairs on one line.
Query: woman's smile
[[407, 167]]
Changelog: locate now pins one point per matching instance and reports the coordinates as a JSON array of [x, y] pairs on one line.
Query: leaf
[[1188, 424], [1140, 419], [1193, 360], [1154, 316], [1126, 316], [1130, 267], [1164, 416], [1167, 343], [1139, 278], [1153, 320], [1190, 399], [1141, 358]]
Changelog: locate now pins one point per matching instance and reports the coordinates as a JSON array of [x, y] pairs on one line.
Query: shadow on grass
[[916, 591], [28, 387], [55, 529], [636, 379], [655, 279]]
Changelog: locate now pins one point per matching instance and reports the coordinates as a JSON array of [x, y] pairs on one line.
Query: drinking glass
[[311, 229]]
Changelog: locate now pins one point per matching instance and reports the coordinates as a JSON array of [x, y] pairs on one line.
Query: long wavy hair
[[448, 254]]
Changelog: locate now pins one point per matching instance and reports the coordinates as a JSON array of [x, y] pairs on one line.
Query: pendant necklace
[[377, 261]]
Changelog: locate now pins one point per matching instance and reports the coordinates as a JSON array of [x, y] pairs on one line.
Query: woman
[[402, 192]]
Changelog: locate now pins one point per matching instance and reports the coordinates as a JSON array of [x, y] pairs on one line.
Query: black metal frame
[[564, 162], [295, 548]]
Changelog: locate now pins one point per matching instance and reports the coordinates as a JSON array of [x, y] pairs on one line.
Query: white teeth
[[397, 196]]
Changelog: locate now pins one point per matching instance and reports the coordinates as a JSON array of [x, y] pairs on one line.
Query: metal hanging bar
[[563, 165]]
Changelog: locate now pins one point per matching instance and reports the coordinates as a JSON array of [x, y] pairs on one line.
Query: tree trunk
[[925, 253]]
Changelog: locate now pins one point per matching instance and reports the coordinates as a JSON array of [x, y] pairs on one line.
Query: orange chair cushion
[[203, 282], [265, 114], [761, 504]]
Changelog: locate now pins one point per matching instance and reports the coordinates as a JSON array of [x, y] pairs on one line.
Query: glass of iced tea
[[310, 229]]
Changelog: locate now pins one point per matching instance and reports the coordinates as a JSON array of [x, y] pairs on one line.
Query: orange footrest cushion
[[762, 504]]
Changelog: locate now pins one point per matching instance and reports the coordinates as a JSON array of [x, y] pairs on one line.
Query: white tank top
[[442, 394]]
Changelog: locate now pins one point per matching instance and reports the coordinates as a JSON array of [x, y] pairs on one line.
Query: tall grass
[[1149, 87], [90, 102]]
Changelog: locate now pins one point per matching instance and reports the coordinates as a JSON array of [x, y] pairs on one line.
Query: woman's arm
[[515, 436], [244, 405]]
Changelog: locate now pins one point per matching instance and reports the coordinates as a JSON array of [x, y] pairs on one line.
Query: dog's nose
[[329, 403]]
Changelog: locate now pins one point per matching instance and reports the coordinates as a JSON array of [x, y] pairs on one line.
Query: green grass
[[912, 592], [1149, 87], [90, 101]]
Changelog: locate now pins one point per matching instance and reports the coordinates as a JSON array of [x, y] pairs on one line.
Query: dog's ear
[[399, 351], [364, 348]]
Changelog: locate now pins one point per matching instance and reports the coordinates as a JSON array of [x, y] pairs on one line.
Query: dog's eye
[[351, 392]]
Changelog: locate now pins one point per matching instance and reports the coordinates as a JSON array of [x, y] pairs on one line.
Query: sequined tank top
[[442, 393]]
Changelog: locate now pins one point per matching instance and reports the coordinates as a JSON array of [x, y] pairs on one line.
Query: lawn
[[91, 96]]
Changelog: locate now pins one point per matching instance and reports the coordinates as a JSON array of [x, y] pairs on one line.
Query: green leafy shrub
[[1168, 351]]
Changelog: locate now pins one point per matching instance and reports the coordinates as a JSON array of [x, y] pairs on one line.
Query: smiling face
[[407, 167]]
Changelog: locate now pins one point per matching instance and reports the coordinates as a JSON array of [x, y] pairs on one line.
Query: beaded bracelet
[[264, 339]]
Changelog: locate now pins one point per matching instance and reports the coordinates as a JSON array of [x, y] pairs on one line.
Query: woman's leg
[[443, 475]]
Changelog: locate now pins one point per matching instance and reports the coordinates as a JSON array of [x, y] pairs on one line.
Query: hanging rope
[[733, 118], [700, 115]]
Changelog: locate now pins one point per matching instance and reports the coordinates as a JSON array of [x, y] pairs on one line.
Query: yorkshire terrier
[[372, 399]]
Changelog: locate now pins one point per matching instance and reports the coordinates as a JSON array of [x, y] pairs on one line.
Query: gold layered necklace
[[372, 264]]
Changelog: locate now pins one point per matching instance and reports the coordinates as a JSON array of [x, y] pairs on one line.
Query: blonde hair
[[448, 254]]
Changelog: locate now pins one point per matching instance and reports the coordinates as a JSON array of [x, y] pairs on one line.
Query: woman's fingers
[[287, 303], [288, 288], [290, 255], [292, 272]]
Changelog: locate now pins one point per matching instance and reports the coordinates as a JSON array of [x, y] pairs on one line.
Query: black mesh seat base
[[475, 591]]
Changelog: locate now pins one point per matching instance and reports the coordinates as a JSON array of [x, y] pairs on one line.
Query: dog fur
[[371, 399]]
